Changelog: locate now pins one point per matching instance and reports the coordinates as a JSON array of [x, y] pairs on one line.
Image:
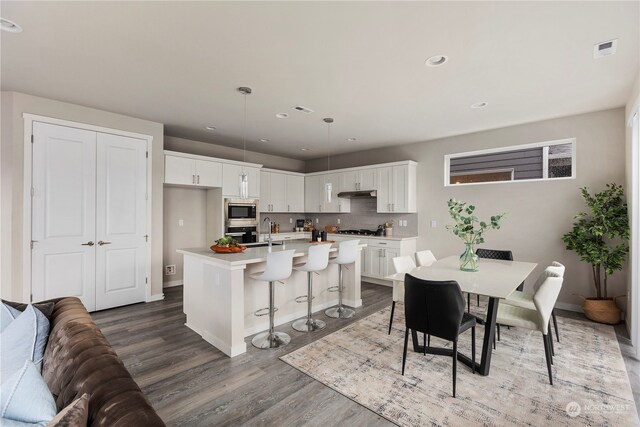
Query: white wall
[[633, 201], [538, 213], [14, 104]]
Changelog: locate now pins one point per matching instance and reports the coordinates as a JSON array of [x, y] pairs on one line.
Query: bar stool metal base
[[308, 325], [266, 340], [340, 312]]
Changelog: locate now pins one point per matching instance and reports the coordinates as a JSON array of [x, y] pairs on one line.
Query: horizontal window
[[530, 162]]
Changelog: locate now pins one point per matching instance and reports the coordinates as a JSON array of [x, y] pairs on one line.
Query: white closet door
[[121, 221], [63, 213]]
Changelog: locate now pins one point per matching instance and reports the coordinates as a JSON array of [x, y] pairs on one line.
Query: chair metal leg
[[309, 324], [555, 324], [404, 353], [340, 312], [498, 329], [428, 340], [271, 338], [393, 308], [547, 353], [553, 353], [468, 303], [473, 348], [478, 300], [424, 340], [455, 365]]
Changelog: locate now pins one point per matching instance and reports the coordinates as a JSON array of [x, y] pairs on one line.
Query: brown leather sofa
[[78, 359]]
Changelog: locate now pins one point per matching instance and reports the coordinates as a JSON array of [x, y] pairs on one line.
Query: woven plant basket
[[601, 310]]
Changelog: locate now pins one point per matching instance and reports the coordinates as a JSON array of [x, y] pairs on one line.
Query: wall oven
[[242, 219]]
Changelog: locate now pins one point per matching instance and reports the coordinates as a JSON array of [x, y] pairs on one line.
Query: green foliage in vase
[[601, 236], [467, 226]]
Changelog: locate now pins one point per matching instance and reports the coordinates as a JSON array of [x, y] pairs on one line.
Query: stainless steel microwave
[[241, 211]]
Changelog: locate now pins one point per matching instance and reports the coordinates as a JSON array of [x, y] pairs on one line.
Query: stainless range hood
[[370, 194]]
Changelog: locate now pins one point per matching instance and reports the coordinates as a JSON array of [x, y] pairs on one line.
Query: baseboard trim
[[377, 281], [156, 297], [172, 283]]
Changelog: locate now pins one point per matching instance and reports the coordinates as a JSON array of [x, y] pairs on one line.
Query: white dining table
[[494, 279]]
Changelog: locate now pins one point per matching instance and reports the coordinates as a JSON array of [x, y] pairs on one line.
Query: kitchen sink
[[260, 245]]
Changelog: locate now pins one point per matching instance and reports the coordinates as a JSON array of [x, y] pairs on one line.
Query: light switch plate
[[169, 270], [180, 222], [434, 223]]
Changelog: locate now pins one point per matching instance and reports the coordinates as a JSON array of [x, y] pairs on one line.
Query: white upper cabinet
[[281, 192], [231, 180], [313, 193], [189, 171], [397, 189], [360, 180], [295, 193]]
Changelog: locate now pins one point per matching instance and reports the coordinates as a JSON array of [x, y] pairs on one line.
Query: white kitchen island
[[220, 298]]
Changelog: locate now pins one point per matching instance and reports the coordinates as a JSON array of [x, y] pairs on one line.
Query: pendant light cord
[[328, 146], [244, 134]]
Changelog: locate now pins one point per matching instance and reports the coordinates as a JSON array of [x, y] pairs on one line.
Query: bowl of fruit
[[227, 245]]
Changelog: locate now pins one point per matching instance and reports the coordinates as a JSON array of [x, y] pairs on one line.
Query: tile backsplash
[[363, 215]]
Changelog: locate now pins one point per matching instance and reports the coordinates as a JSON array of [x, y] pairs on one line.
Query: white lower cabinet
[[379, 254]]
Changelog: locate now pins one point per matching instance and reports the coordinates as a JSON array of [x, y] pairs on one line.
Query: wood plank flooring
[[189, 382]]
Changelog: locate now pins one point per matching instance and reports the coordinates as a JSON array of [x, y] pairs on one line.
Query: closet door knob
[[103, 243], [89, 243]]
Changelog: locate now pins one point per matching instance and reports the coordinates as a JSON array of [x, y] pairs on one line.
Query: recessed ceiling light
[[210, 127], [264, 140], [282, 115], [9, 26], [479, 104], [305, 149], [351, 139], [436, 60]]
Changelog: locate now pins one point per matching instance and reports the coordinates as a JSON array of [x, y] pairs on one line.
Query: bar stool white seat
[[317, 260], [279, 267], [347, 254]]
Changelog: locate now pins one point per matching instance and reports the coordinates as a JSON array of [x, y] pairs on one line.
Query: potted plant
[[600, 238], [470, 229]]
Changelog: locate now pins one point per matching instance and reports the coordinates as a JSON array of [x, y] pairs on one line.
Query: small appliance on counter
[[308, 225], [300, 225], [380, 231]]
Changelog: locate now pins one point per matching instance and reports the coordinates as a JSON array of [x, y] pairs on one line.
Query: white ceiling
[[179, 63]]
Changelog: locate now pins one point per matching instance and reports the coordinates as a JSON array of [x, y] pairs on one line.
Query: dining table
[[495, 279]]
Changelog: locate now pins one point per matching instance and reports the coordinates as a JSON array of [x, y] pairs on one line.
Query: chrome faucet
[[269, 239]]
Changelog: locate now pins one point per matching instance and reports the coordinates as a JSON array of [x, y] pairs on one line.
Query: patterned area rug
[[363, 363]]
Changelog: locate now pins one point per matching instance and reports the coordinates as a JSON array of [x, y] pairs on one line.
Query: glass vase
[[469, 259]]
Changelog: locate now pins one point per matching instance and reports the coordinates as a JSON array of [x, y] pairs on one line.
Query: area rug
[[363, 363]]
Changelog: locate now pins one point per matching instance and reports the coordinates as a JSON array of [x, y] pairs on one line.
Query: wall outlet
[[338, 221], [169, 270], [290, 220], [317, 221], [180, 222], [434, 223]]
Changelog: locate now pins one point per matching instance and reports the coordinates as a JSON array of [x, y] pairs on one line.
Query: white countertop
[[250, 255], [305, 234]]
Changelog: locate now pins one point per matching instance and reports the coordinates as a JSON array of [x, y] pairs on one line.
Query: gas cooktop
[[359, 232]]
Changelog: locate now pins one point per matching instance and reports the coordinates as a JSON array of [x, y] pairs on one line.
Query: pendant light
[[244, 177], [328, 187]]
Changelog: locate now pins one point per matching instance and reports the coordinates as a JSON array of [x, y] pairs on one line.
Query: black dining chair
[[437, 309]]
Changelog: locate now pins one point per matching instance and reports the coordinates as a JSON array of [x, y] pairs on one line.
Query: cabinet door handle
[[197, 179], [193, 179], [288, 208], [89, 243]]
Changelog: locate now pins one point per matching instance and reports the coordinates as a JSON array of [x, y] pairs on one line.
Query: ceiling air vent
[[303, 109], [600, 50]]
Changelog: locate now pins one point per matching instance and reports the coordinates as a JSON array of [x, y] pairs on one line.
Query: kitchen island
[[220, 297]]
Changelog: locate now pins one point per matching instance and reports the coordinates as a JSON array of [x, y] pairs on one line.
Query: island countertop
[[252, 255]]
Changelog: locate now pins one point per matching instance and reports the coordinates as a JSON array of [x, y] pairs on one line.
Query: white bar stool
[[279, 267], [347, 254], [317, 260]]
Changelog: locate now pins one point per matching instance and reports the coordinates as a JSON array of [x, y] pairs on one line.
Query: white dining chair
[[425, 258], [525, 300], [537, 320], [401, 264]]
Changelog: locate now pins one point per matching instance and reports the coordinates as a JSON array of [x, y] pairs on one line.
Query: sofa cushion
[[7, 314], [74, 415], [23, 339], [25, 397], [45, 307]]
